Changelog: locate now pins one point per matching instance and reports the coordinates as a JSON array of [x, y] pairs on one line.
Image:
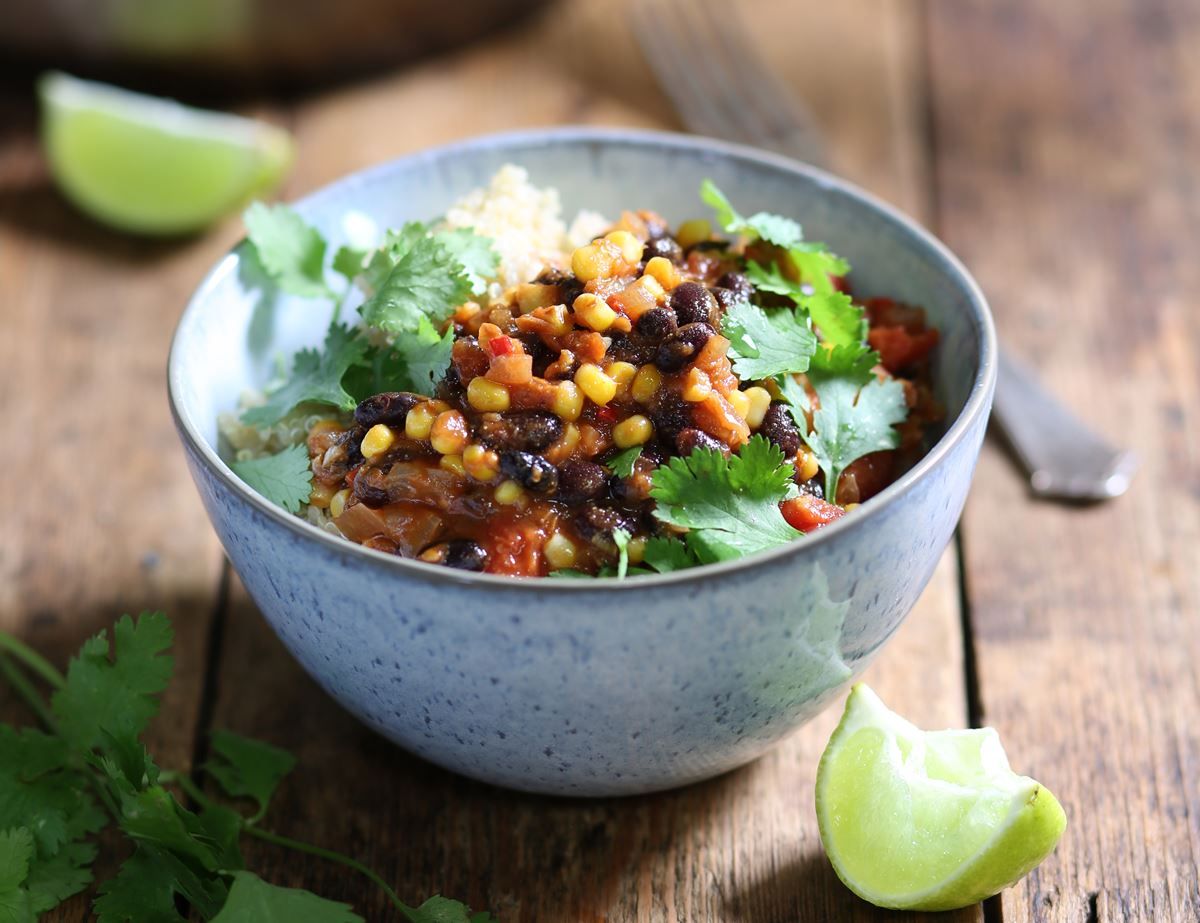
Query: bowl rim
[[977, 404]]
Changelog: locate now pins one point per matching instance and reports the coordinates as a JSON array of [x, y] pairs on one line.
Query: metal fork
[[708, 66]]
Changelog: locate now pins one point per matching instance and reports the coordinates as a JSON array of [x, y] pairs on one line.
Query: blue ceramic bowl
[[594, 687]]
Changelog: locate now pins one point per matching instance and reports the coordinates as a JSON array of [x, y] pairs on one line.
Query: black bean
[[656, 227], [693, 303], [528, 431], [352, 440], [682, 346], [464, 554], [450, 389], [595, 521], [551, 276], [368, 491], [624, 348], [388, 407], [779, 427], [666, 247], [726, 297], [530, 471], [580, 481], [656, 324], [691, 439], [737, 283], [669, 413], [812, 486]]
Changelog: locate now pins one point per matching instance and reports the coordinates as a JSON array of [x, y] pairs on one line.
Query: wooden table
[[1054, 146]]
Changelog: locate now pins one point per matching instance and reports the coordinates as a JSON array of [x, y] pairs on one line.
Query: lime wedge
[[917, 820], [154, 166]]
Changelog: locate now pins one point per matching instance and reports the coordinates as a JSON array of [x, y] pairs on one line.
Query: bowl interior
[[235, 332]]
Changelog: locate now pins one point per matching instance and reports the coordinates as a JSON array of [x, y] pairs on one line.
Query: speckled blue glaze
[[592, 687]]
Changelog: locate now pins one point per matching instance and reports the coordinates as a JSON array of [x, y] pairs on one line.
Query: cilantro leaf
[[774, 229], [16, 854], [474, 253], [425, 356], [119, 695], [855, 361], [839, 320], [424, 279], [730, 505], [440, 909], [621, 539], [52, 880], [816, 263], [284, 478], [767, 344], [316, 378], [290, 250], [143, 891], [668, 554], [247, 768], [252, 900], [348, 261], [622, 463], [851, 422]]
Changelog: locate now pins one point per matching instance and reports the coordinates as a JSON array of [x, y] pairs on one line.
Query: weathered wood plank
[[1067, 136], [743, 847]]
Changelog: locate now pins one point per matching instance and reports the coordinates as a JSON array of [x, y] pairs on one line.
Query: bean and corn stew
[[658, 398]]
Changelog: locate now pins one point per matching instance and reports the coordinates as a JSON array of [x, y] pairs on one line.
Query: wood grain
[[743, 847], [1067, 139]]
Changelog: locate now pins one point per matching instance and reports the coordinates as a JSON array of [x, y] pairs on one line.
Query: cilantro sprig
[[89, 770], [765, 344]]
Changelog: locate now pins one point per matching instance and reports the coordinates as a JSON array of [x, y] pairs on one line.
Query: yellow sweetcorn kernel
[[696, 386], [487, 396], [595, 260], [592, 311], [508, 493], [663, 271], [631, 431], [450, 433], [645, 383], [452, 463], [598, 387], [419, 421], [568, 401], [807, 465], [320, 496], [760, 400], [636, 549], [480, 463], [693, 232], [739, 402], [631, 247], [560, 552], [623, 374], [337, 503], [379, 439]]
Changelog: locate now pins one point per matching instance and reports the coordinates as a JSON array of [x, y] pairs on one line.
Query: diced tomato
[[606, 415], [886, 312], [900, 349], [808, 513], [501, 346]]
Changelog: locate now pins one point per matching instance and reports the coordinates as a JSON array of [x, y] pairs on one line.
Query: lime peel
[[154, 166], [915, 820]]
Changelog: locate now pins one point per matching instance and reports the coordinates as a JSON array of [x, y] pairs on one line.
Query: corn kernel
[[653, 287], [595, 384], [647, 381], [530, 295], [851, 506], [449, 435], [419, 421], [480, 463], [568, 401], [487, 396], [631, 431], [807, 465], [594, 260], [631, 247], [636, 549], [623, 374], [560, 552], [693, 232], [320, 495], [337, 503], [739, 402], [696, 386], [379, 439], [593, 312], [508, 493], [452, 463], [663, 271], [760, 400]]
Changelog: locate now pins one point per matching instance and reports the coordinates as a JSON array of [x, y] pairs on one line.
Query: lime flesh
[[154, 166], [916, 820]]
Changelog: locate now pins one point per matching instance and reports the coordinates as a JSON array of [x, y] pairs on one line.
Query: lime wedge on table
[[150, 165], [927, 820]]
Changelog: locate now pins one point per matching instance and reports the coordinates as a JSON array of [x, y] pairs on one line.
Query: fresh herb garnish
[[53, 783], [765, 344], [729, 505], [665, 555], [291, 251], [316, 378], [474, 252], [284, 478], [622, 463], [621, 539]]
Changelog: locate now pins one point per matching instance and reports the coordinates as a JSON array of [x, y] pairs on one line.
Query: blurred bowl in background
[[235, 43]]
